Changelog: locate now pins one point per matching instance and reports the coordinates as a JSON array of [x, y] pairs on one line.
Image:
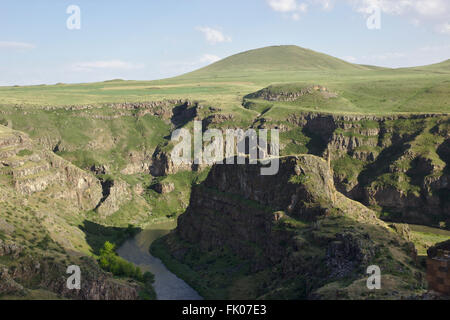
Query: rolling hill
[[443, 66], [361, 89], [275, 58]]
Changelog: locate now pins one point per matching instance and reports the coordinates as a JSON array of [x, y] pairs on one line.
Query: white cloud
[[325, 4], [283, 5], [419, 12], [288, 6], [435, 13], [431, 7], [213, 36], [104, 65], [302, 7], [399, 7], [296, 16], [209, 58], [16, 45], [444, 28]]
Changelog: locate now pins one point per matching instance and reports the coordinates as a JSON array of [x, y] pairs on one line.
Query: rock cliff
[[35, 170], [43, 200], [291, 235], [24, 272], [396, 164]]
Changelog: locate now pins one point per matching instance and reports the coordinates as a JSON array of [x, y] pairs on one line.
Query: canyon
[[363, 155]]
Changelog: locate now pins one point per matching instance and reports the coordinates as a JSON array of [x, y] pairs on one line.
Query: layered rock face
[[303, 189], [273, 93], [34, 272], [115, 194], [293, 227], [397, 164], [43, 200], [34, 170]]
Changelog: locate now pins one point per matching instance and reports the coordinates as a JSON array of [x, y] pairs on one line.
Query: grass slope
[[274, 58], [364, 89]]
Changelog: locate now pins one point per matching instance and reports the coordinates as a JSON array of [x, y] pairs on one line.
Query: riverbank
[[167, 285]]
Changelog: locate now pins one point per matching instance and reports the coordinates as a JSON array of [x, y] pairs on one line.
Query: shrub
[[24, 152], [118, 266]]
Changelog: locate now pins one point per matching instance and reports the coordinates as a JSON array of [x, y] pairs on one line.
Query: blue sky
[[145, 40]]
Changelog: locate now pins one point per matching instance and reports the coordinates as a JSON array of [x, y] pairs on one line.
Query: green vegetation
[[212, 280], [360, 89], [425, 237], [220, 274], [348, 168], [97, 235], [301, 179], [93, 139], [24, 153], [172, 204], [118, 266], [110, 261]]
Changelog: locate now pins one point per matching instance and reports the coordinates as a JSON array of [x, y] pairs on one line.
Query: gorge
[[364, 158]]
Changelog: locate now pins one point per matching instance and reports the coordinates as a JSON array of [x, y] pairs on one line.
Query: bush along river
[[167, 285]]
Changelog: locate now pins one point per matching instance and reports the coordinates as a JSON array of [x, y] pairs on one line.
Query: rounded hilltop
[[277, 58]]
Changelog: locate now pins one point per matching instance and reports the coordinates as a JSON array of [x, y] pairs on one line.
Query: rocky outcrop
[[275, 93], [164, 187], [137, 162], [33, 272], [115, 194], [163, 165], [8, 248], [293, 227], [35, 170], [216, 119], [303, 189], [347, 252], [7, 284], [398, 163]]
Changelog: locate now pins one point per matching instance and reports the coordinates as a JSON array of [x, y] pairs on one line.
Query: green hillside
[[443, 67], [274, 58], [360, 89]]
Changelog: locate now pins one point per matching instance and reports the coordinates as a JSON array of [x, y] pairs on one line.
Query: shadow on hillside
[[316, 145], [182, 114], [320, 130], [444, 153], [97, 234]]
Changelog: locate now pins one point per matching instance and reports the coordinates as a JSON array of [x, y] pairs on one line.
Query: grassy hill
[[274, 58], [443, 67], [361, 89]]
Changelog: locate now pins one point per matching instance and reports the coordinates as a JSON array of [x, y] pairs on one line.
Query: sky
[[59, 41]]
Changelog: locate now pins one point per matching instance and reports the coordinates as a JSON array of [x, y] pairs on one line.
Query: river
[[167, 285]]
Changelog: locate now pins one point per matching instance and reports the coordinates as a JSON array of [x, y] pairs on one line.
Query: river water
[[167, 285]]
